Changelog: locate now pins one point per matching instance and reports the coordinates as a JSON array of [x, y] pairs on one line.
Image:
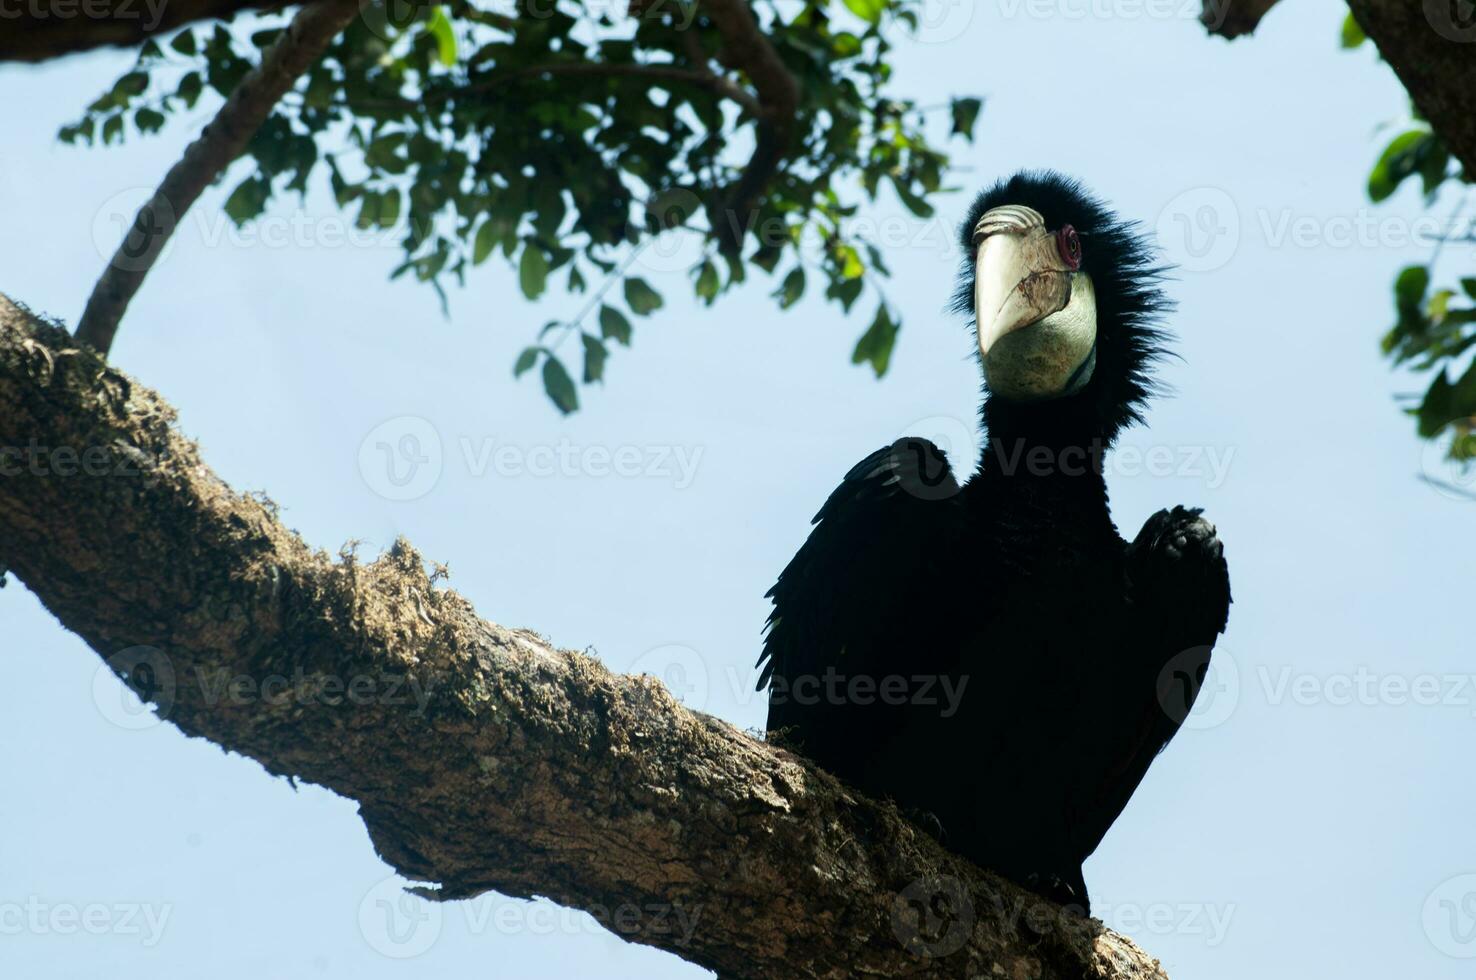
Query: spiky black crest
[[1130, 303]]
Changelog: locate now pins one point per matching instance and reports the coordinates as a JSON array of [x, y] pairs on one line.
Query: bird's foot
[[1178, 561], [1180, 534]]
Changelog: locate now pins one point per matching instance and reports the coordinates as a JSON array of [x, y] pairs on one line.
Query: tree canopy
[[565, 136], [1435, 323]]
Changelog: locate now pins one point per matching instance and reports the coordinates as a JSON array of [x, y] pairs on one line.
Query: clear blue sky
[[1310, 824]]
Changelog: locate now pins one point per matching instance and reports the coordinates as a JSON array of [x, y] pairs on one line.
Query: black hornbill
[[995, 658]]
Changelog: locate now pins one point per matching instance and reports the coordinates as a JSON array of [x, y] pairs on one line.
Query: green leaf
[[1438, 305], [640, 297], [1469, 285], [148, 120], [846, 291], [526, 360], [1400, 159], [184, 43], [559, 386], [875, 345], [766, 258], [1438, 408], [248, 199], [708, 283], [914, 202], [112, 129], [844, 45], [132, 84], [440, 28], [486, 240], [594, 358], [868, 10], [1410, 287], [383, 153], [614, 325], [1353, 34], [368, 211], [533, 271], [389, 208], [965, 116], [189, 88], [792, 289]]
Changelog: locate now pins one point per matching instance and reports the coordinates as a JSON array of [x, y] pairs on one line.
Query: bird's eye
[[1068, 243]]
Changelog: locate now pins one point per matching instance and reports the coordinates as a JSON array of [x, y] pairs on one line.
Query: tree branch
[[1430, 45], [1233, 18], [493, 79], [747, 48], [1433, 51], [515, 766], [38, 30], [222, 141]]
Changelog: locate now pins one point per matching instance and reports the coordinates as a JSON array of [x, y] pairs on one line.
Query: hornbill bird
[[994, 657]]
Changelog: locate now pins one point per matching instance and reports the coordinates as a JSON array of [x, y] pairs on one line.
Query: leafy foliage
[[563, 136], [1434, 329]]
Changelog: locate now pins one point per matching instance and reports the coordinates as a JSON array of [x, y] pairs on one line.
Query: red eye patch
[[1068, 243]]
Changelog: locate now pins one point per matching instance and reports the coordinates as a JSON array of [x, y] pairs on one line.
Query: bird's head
[[1064, 296]]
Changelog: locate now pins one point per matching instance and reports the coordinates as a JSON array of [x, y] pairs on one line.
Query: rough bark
[[1430, 44], [222, 141], [480, 757]]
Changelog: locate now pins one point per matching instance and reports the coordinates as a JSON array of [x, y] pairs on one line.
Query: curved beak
[[1019, 279]]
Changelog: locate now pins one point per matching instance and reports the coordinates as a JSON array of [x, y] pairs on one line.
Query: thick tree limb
[[222, 141], [36, 30], [1430, 44], [523, 768]]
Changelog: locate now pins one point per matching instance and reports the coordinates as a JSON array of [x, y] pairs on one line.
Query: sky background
[[1313, 820]]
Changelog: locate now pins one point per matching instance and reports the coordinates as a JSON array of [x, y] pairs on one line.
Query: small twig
[[614, 276], [223, 140], [1448, 487]]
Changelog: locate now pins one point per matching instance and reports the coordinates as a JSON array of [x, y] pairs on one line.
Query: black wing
[[856, 597], [1180, 602]]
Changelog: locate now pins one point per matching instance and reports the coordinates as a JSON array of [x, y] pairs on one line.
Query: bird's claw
[[1180, 533]]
